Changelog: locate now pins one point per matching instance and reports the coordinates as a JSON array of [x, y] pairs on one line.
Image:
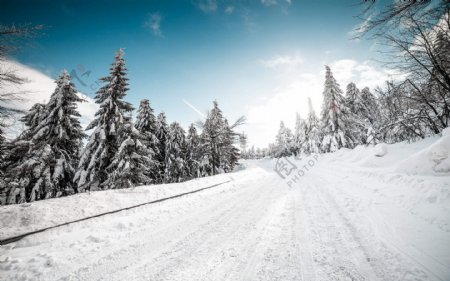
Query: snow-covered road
[[330, 225]]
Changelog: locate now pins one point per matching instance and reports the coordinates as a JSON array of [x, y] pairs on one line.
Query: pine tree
[[243, 145], [176, 168], [313, 138], [284, 141], [103, 143], [132, 162], [352, 96], [228, 153], [369, 117], [147, 126], [212, 136], [16, 149], [50, 147], [299, 134], [162, 130], [194, 153], [218, 138], [336, 121]]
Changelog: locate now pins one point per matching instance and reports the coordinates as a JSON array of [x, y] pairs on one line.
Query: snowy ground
[[351, 216]]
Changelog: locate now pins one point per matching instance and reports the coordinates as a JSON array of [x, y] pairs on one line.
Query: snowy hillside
[[349, 215]]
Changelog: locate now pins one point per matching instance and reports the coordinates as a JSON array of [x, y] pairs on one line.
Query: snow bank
[[21, 218], [434, 159]]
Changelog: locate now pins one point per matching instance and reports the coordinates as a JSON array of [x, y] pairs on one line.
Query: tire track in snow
[[400, 262], [147, 241], [333, 256], [159, 254], [302, 234]]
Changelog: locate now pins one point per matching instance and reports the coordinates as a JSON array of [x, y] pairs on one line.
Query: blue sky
[[249, 55]]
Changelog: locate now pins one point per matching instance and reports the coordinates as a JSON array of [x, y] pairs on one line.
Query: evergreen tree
[[336, 121], [147, 126], [284, 141], [16, 149], [229, 154], [243, 145], [212, 135], [299, 134], [49, 148], [162, 130], [313, 138], [132, 162], [194, 153], [362, 107], [103, 143], [219, 139], [369, 117], [352, 96], [252, 153], [176, 168]]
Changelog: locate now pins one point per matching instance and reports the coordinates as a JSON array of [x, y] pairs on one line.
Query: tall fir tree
[[162, 131], [313, 138], [284, 141], [352, 96], [50, 148], [212, 135], [147, 125], [243, 144], [131, 164], [369, 117], [228, 152], [176, 169], [103, 143], [336, 119], [194, 153], [299, 134]]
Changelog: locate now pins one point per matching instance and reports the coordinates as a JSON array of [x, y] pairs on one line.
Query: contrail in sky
[[194, 108]]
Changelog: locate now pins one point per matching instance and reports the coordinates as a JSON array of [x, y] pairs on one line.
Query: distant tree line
[[49, 158], [416, 38]]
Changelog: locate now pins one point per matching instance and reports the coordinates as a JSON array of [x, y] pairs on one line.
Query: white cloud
[[283, 61], [264, 116], [269, 2], [39, 89], [207, 6], [154, 24], [229, 10]]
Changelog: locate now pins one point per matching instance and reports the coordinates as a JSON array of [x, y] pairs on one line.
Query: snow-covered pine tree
[[162, 130], [299, 134], [103, 143], [370, 117], [252, 153], [147, 126], [176, 168], [284, 141], [229, 154], [313, 138], [356, 108], [50, 147], [132, 162], [195, 155], [16, 149], [243, 145], [218, 138], [212, 135], [336, 119], [352, 96]]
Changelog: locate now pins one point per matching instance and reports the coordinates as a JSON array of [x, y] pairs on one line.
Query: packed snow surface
[[349, 215]]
